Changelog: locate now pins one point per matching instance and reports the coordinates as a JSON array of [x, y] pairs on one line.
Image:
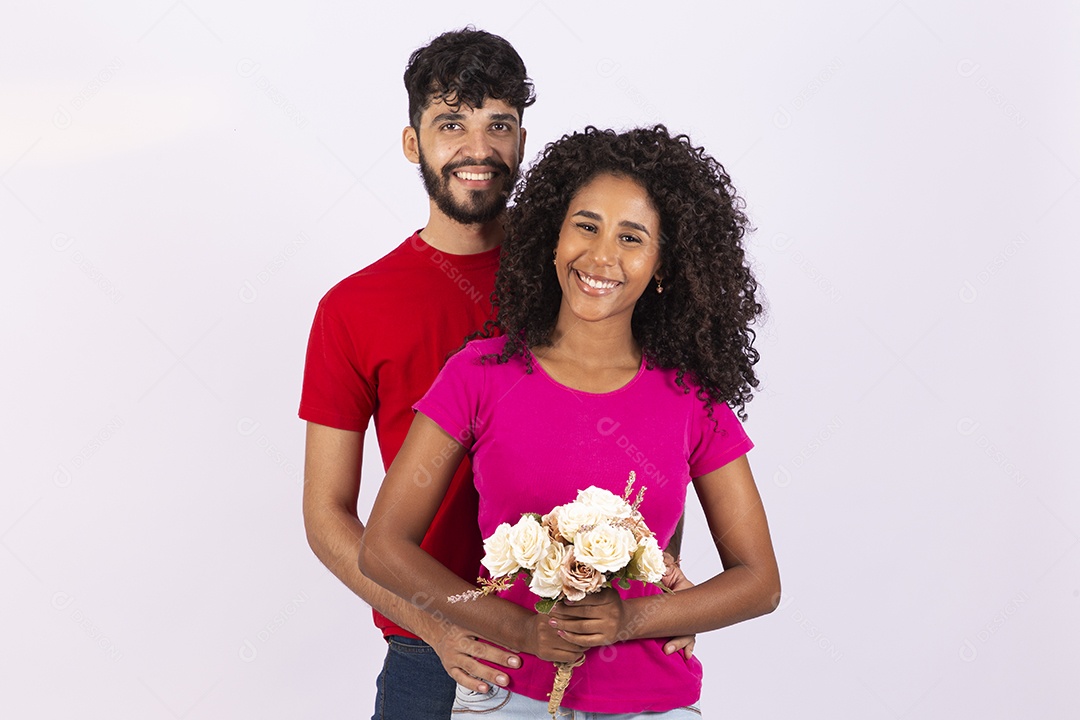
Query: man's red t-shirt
[[379, 338]]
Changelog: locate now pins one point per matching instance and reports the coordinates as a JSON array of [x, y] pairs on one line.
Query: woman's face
[[609, 249]]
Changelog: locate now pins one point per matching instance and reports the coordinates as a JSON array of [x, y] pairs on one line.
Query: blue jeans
[[500, 702], [413, 684]]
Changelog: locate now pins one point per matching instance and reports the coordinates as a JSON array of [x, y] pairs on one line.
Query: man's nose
[[477, 145]]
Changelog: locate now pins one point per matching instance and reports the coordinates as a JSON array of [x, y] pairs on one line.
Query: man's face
[[469, 158]]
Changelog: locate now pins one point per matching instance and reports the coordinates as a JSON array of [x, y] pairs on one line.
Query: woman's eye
[[631, 239], [587, 227]]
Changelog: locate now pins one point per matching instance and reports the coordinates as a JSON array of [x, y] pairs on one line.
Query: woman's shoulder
[[482, 352], [687, 393], [485, 346], [478, 352]]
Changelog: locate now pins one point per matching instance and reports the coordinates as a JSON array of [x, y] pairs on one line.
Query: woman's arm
[[390, 552], [748, 587]]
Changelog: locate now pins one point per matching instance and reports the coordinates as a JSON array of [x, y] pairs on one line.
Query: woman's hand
[[595, 620], [545, 642]]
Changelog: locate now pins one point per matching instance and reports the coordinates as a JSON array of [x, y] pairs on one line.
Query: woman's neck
[[591, 356], [592, 345]]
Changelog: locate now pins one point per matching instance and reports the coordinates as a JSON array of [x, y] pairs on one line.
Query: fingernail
[[552, 623], [514, 662], [502, 680], [668, 649]]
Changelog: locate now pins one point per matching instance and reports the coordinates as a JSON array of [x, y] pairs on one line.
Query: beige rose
[[604, 502], [578, 578], [551, 522], [606, 548], [547, 579], [528, 541], [498, 556], [648, 563]]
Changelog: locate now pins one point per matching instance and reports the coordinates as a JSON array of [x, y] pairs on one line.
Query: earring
[[555, 257], [659, 287]]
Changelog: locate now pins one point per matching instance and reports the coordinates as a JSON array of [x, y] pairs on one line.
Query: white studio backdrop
[[180, 182]]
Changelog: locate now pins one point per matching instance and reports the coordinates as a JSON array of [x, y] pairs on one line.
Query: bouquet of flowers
[[599, 540]]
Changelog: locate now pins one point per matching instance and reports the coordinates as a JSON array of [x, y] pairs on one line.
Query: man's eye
[[451, 126], [500, 126]]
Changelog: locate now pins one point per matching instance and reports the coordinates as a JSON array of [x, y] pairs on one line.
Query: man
[[380, 337]]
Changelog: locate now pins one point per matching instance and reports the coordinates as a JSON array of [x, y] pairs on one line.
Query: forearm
[[424, 584], [735, 595], [334, 535]]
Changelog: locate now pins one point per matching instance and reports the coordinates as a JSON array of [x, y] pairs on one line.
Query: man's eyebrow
[[447, 117], [624, 223], [504, 117]]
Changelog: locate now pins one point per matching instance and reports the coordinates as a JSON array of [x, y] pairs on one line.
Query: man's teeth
[[593, 283], [475, 176]]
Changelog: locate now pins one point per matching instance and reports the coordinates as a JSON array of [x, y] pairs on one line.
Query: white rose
[[648, 563], [606, 548], [573, 516], [498, 557], [604, 502], [547, 579], [528, 541]]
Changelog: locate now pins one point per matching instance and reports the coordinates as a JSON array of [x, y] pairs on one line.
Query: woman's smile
[[595, 284]]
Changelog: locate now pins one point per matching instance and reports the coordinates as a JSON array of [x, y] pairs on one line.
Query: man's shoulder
[[374, 278]]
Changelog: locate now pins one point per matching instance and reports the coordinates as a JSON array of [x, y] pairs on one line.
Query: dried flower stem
[[562, 681], [487, 587]]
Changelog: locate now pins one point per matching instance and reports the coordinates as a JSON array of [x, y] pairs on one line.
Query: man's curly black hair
[[700, 324], [466, 67]]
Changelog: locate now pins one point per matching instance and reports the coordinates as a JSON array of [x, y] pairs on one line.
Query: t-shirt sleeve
[[715, 441], [453, 400], [335, 393]]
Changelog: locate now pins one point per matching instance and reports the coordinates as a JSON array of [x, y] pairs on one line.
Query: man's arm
[[332, 462]]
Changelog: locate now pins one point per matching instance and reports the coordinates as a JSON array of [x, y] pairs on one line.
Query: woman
[[625, 302]]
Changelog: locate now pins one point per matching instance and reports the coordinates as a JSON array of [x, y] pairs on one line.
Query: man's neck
[[452, 237]]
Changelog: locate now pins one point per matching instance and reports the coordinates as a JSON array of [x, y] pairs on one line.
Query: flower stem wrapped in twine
[[562, 681]]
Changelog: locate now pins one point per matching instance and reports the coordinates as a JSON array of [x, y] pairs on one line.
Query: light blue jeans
[[502, 703]]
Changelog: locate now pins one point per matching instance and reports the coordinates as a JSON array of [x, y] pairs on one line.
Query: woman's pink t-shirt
[[535, 443]]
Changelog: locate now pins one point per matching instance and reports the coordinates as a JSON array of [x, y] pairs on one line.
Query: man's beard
[[482, 206]]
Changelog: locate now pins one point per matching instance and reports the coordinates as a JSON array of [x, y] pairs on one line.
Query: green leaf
[[623, 583], [544, 606]]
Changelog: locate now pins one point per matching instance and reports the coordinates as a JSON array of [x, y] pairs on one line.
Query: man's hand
[[675, 581], [461, 654]]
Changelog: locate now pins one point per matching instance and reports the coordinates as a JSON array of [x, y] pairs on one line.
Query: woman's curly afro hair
[[700, 324]]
